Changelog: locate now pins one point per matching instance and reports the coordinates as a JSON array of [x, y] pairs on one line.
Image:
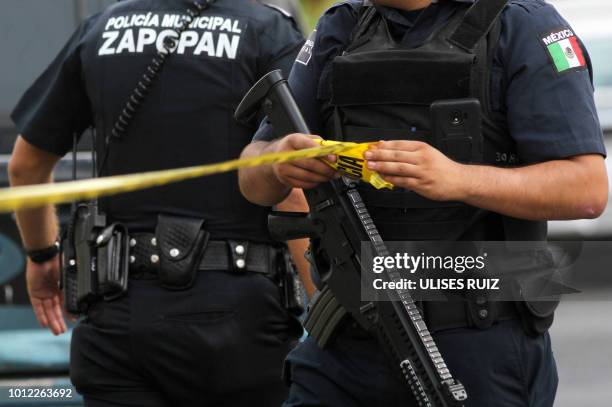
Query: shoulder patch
[[564, 50], [306, 52]]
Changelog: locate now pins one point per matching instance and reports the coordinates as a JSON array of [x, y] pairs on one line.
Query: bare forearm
[[259, 185], [30, 165], [556, 190], [38, 227]]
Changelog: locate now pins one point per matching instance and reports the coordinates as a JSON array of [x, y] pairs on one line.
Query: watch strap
[[43, 255]]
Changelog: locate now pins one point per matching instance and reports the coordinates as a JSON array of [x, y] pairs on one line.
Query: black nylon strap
[[258, 260], [366, 14], [445, 315], [477, 22]]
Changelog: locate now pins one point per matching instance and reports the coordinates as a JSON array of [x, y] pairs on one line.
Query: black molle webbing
[[365, 16]]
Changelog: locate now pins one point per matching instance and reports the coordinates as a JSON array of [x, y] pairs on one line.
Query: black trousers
[[499, 367], [220, 343]]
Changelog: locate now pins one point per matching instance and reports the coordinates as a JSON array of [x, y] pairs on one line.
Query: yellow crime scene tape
[[350, 157]]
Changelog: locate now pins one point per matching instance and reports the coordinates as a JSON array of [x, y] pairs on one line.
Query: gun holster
[[94, 260], [181, 246], [112, 261], [69, 276]]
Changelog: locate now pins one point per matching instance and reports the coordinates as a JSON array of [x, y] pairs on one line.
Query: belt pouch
[[537, 307], [112, 261], [181, 244]]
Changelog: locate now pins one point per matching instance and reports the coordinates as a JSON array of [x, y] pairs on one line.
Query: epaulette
[[281, 10]]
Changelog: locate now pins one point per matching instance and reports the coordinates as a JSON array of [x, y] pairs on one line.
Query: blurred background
[[33, 31]]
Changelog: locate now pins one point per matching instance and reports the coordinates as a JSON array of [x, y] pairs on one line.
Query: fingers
[[316, 166], [401, 158], [59, 314], [388, 155], [394, 169], [312, 143], [45, 296], [405, 145], [299, 141], [306, 173], [303, 174], [39, 312], [53, 313], [54, 326]]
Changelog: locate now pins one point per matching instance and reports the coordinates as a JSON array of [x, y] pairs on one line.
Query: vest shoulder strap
[[477, 23], [365, 15]]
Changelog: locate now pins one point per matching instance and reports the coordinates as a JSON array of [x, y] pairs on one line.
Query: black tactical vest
[[382, 90]]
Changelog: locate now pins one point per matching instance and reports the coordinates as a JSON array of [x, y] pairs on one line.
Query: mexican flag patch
[[564, 49]]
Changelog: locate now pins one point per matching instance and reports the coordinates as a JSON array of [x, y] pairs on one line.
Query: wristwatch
[[43, 255]]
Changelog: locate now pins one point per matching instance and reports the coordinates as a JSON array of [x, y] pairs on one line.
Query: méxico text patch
[[564, 50]]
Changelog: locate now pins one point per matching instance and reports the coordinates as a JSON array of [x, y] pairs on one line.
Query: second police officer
[[371, 72], [203, 322]]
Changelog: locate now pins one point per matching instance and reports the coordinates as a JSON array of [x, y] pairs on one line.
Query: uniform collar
[[402, 18]]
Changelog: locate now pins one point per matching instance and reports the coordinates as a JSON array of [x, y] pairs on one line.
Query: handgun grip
[[291, 225]]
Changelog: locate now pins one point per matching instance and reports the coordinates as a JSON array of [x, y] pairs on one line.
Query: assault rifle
[[337, 224]]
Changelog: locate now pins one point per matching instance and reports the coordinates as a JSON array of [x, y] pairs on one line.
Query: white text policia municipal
[[213, 36]]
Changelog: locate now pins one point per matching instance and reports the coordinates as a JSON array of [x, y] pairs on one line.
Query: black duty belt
[[221, 255], [441, 316], [445, 315]]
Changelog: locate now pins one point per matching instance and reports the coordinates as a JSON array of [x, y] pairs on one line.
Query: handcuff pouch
[[181, 246]]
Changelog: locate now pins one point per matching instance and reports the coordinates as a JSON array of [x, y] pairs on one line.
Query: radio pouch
[[181, 246], [80, 276]]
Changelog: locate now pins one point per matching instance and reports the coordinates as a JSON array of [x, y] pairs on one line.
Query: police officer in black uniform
[[371, 72], [211, 334]]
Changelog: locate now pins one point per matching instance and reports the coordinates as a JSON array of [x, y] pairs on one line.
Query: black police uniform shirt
[[549, 107], [187, 118]]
